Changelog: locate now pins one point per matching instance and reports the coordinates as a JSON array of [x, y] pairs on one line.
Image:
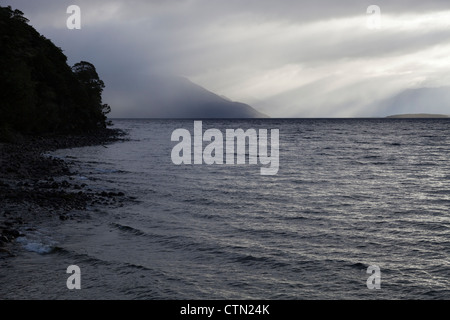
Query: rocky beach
[[46, 105], [35, 186]]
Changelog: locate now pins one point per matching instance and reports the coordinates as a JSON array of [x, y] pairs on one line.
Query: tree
[[18, 15], [39, 91], [88, 76]]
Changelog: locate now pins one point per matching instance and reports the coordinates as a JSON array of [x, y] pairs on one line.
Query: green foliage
[[39, 92]]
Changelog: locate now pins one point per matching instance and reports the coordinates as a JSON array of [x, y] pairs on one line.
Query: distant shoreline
[[418, 116], [399, 116]]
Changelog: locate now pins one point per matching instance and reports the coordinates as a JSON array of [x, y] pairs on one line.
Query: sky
[[285, 58]]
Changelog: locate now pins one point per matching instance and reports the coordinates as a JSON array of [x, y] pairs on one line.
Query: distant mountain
[[434, 101], [163, 96], [418, 115]]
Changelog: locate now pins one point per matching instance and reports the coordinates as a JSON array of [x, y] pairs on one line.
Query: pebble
[[37, 190]]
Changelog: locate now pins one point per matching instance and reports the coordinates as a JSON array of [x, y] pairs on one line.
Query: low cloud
[[285, 58]]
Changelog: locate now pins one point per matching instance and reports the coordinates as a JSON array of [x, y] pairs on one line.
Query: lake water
[[349, 194]]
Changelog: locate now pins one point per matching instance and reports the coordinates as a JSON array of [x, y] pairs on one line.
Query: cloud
[[286, 58]]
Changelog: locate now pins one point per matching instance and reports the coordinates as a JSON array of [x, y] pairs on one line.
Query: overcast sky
[[286, 58]]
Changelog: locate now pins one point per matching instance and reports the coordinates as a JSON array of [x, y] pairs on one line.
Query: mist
[[284, 58]]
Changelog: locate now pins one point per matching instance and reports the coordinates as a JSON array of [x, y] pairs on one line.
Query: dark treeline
[[39, 91]]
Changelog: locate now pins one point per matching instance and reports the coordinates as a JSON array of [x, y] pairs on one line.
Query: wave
[[35, 246], [251, 260], [128, 229]]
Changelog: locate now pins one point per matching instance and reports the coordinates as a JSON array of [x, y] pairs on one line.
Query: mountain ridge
[[176, 97], [425, 100]]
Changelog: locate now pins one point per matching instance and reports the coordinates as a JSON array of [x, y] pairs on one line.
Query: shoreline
[[29, 192]]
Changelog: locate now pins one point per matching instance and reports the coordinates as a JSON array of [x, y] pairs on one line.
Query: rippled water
[[349, 194]]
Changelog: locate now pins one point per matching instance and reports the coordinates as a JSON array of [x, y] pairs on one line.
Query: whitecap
[[81, 178], [34, 246]]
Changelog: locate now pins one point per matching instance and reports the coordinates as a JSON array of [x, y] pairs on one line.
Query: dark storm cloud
[[290, 57]]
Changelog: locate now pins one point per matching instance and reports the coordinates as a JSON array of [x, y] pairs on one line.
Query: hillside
[[164, 96], [40, 92]]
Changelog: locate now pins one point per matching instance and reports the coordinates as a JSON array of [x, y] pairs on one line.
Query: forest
[[39, 91]]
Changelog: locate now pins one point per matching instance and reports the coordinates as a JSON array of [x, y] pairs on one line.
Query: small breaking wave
[[129, 229], [35, 246]]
